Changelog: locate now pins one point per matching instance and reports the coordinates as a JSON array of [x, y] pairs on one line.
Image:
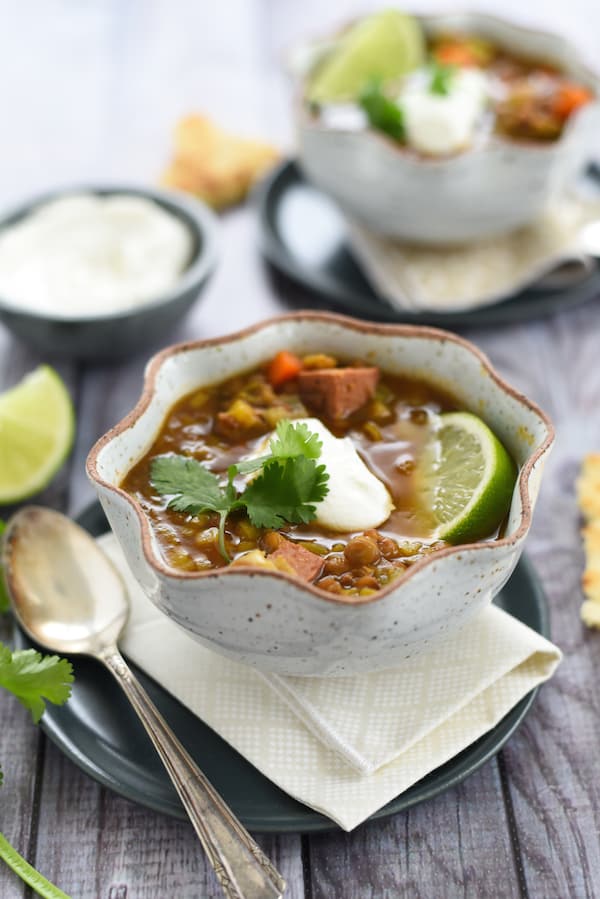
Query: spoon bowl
[[67, 595]]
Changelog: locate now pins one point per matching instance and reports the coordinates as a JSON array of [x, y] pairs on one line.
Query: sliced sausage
[[305, 564], [337, 392]]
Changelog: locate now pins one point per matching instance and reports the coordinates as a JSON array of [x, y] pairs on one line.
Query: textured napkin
[[478, 274], [345, 746]]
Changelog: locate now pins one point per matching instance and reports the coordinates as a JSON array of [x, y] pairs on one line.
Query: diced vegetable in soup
[[312, 466], [457, 92]]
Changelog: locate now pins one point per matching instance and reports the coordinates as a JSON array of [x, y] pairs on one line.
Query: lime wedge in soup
[[37, 426], [466, 479], [385, 46]]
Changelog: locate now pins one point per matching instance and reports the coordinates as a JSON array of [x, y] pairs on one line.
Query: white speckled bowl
[[272, 620], [484, 191]]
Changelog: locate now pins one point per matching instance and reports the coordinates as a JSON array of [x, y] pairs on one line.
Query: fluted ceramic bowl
[[272, 620], [484, 191]]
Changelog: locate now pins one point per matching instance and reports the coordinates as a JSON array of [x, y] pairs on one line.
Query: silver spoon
[[69, 598]]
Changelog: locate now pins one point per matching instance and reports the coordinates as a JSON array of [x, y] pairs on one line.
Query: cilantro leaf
[[286, 492], [34, 678], [195, 489], [441, 79], [382, 113], [295, 440]]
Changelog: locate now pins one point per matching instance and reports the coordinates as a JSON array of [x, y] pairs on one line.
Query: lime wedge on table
[[467, 478], [385, 45], [37, 425]]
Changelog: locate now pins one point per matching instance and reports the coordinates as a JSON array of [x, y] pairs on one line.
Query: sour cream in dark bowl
[[101, 272]]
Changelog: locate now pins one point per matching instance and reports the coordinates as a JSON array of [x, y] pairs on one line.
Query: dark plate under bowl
[[119, 334], [99, 731], [304, 237]]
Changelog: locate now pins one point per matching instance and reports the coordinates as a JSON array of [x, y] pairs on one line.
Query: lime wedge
[[37, 426], [467, 479], [385, 46]]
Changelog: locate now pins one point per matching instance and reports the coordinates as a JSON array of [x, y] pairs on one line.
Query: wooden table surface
[[90, 91]]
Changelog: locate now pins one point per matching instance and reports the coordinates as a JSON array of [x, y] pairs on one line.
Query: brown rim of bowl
[[499, 140], [348, 323]]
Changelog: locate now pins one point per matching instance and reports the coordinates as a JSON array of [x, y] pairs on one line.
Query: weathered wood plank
[[19, 744], [551, 762], [455, 845]]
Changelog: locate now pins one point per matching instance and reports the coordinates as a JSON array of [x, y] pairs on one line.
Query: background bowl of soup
[[502, 176], [274, 620]]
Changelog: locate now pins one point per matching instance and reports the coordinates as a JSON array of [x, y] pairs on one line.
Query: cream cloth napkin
[[345, 746], [478, 274]]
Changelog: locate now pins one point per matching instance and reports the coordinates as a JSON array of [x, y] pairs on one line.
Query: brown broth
[[399, 417]]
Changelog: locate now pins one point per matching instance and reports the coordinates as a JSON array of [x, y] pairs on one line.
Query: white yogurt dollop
[[357, 500], [85, 255], [437, 125]]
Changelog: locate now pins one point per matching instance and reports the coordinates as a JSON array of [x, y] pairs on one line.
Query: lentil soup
[[389, 421]]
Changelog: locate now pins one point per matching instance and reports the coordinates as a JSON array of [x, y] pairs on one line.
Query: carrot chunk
[[569, 97], [285, 366]]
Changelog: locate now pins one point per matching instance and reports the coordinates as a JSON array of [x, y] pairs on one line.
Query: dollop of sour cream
[[85, 255], [357, 500], [441, 124]]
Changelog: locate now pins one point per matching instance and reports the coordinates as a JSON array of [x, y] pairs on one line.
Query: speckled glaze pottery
[[272, 620], [118, 334], [485, 191]]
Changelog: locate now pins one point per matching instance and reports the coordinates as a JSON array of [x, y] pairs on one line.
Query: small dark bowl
[[117, 334]]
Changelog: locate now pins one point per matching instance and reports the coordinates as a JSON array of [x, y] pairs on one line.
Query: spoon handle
[[241, 867]]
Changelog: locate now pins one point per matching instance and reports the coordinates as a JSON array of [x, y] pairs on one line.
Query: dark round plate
[[98, 730], [303, 236]]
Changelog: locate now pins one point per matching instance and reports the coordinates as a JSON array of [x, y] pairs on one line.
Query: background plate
[[98, 730], [303, 236]]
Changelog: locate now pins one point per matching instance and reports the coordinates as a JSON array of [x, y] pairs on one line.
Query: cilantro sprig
[[382, 113], [35, 679], [441, 79], [287, 489]]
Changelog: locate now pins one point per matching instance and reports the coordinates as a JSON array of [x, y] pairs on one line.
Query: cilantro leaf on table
[[289, 485], [286, 492], [382, 113], [34, 678]]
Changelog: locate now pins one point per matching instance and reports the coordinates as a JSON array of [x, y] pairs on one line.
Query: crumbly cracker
[[590, 613], [588, 487], [588, 497], [218, 167]]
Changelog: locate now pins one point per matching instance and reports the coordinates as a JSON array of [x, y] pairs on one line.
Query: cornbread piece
[[337, 392], [590, 613], [588, 487], [588, 496], [305, 564], [218, 167]]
